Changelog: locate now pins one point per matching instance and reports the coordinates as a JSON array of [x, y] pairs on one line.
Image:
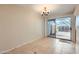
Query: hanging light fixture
[[45, 12]]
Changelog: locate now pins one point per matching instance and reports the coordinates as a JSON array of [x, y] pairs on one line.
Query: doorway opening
[[60, 28]]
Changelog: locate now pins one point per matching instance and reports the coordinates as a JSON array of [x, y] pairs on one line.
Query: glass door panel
[[52, 28], [63, 26]]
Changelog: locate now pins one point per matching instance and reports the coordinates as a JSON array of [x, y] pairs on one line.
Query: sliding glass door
[[63, 28], [60, 28], [52, 28], [77, 29]]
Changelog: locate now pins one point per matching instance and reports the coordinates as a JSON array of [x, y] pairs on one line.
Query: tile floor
[[47, 46]]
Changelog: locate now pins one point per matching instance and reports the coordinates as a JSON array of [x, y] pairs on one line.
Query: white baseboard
[[18, 46]]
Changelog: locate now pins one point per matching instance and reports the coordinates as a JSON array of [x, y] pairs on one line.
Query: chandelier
[[45, 12]]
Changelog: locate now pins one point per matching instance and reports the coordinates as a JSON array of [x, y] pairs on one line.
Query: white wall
[[76, 12], [18, 25], [73, 31]]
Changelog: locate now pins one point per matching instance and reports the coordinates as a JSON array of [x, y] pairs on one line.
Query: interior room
[[39, 29]]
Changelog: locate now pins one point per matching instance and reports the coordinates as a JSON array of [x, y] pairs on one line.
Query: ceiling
[[57, 8], [54, 8]]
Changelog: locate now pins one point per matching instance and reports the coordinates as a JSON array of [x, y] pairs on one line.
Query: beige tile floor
[[47, 46]]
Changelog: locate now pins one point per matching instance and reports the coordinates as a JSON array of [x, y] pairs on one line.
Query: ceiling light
[[45, 12]]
